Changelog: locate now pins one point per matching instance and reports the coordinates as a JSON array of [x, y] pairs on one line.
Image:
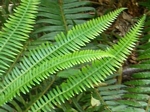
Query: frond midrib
[[63, 16]]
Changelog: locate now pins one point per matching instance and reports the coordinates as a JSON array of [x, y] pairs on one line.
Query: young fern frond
[[28, 67], [15, 32], [93, 74]]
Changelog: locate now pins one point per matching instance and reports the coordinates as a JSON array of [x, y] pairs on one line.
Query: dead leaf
[[94, 102], [126, 16]]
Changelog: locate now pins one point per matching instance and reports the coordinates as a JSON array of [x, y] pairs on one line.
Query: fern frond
[[91, 75], [23, 83], [144, 49], [117, 97], [75, 39], [15, 32], [144, 57], [61, 16]]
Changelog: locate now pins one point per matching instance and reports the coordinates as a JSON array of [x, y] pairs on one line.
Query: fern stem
[[120, 75], [63, 16]]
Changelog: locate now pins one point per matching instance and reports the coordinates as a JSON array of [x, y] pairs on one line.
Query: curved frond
[[144, 49], [15, 32], [91, 75]]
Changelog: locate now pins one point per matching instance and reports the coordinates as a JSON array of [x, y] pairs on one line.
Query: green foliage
[[30, 62]]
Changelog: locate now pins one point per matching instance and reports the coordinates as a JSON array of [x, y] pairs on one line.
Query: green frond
[[15, 32], [75, 39], [60, 16], [91, 75], [136, 98], [17, 104], [119, 98], [44, 70]]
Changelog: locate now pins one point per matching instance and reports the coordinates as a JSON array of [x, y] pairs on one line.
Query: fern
[[26, 66], [15, 32], [91, 75], [60, 16]]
